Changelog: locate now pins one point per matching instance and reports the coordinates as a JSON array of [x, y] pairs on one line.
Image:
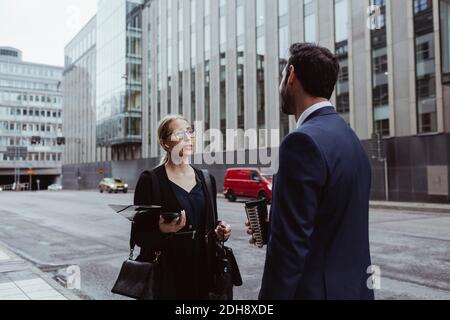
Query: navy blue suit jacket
[[318, 245]]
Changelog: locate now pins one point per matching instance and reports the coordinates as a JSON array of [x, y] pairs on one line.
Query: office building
[[31, 143], [219, 62]]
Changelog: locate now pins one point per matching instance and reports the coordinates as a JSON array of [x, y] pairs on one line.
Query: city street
[[56, 229]]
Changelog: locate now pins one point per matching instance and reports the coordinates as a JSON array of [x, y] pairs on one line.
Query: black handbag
[[226, 270], [226, 275], [140, 280]]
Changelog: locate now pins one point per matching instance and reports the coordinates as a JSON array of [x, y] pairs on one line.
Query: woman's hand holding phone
[[174, 226]]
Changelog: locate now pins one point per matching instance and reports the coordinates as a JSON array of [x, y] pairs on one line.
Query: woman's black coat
[[186, 264]]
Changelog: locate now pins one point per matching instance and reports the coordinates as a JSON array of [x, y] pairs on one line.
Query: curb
[[401, 206], [28, 266], [416, 207]]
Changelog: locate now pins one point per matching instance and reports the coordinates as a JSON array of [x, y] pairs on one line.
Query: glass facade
[[169, 56], [240, 45], [207, 46], [425, 66], [79, 98], [193, 57], [445, 40], [260, 72], [175, 56], [283, 54], [180, 56], [341, 45], [159, 62], [380, 73], [310, 20], [222, 50], [119, 85]]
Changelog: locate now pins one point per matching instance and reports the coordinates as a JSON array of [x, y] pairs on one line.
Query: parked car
[[55, 187], [113, 185], [247, 183]]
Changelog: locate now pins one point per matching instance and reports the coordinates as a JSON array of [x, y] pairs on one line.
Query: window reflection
[[425, 66], [310, 20], [341, 45], [380, 72], [445, 40], [240, 21], [283, 52], [222, 35], [260, 76]]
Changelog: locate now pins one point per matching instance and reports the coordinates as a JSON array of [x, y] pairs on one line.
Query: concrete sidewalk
[[20, 280], [412, 206]]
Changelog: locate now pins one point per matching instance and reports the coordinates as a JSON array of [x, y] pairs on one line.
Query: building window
[[207, 46], [380, 72], [341, 45], [180, 56], [193, 58], [425, 66], [222, 40], [240, 44], [421, 5], [310, 20], [169, 56], [260, 71], [445, 40], [283, 48]]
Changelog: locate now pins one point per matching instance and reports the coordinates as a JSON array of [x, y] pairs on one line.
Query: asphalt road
[[57, 229]]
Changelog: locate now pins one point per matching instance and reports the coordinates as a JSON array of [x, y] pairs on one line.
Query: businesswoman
[[187, 243]]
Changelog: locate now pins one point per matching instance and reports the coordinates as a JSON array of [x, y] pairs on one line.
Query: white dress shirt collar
[[311, 110]]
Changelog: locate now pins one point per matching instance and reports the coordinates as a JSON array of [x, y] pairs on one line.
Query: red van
[[247, 183]]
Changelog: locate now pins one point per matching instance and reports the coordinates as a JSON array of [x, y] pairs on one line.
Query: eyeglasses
[[181, 134]]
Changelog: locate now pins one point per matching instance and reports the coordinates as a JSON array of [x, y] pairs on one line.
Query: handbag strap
[[208, 183], [209, 188], [155, 199]]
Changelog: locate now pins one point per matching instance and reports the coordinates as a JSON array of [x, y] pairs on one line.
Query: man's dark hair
[[316, 68]]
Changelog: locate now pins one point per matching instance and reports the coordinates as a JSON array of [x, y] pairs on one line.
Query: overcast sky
[[41, 28]]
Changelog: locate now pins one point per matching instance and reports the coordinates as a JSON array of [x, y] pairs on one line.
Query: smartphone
[[169, 217]]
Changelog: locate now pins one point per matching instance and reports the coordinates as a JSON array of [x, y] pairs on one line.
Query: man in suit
[[318, 246]]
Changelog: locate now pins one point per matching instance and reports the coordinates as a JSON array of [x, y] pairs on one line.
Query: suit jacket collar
[[321, 112]]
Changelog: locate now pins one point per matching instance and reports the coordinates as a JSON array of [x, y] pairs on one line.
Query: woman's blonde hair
[[164, 132]]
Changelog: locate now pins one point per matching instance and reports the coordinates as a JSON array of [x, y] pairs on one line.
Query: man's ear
[[291, 77]]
